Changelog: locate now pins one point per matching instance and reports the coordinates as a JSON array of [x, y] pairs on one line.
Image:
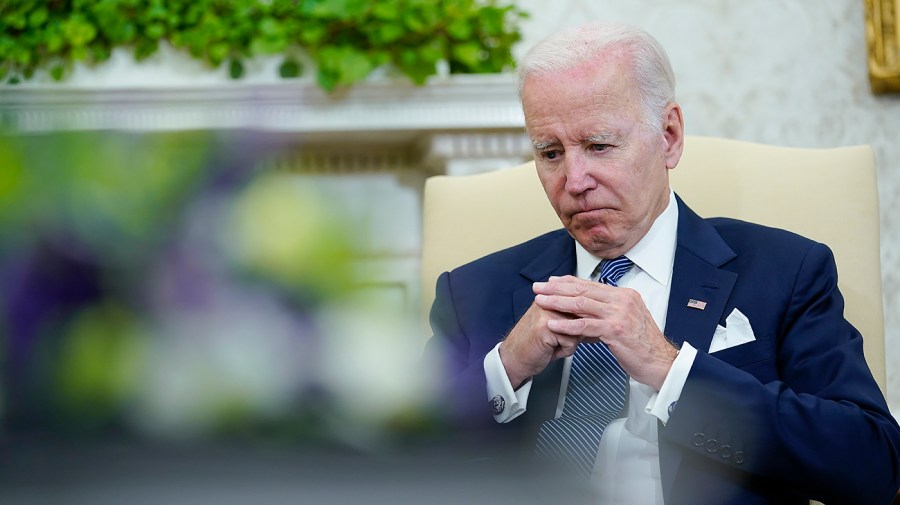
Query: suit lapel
[[697, 275], [557, 259], [694, 280]]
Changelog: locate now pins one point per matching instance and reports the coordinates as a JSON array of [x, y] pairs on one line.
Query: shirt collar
[[654, 254]]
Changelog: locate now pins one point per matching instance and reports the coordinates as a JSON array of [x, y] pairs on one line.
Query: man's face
[[605, 173]]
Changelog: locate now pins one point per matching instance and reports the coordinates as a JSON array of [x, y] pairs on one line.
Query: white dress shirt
[[627, 466]]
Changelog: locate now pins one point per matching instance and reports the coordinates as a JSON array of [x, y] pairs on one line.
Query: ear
[[673, 133]]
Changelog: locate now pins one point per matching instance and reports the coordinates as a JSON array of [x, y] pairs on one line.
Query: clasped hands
[[568, 311]]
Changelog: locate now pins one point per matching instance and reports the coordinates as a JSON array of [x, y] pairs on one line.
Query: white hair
[[577, 45]]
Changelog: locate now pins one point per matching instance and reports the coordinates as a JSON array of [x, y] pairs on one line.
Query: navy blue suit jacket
[[793, 415]]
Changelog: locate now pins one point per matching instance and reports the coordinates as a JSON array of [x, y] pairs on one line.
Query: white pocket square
[[737, 331]]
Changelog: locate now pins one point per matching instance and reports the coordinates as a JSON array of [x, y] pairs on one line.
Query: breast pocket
[[755, 356]]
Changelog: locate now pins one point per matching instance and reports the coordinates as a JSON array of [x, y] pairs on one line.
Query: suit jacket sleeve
[[797, 407], [465, 389]]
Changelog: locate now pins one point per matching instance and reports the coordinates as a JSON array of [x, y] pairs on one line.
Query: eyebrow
[[600, 138], [539, 146]]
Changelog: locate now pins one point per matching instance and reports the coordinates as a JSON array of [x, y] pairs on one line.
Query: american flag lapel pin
[[696, 304]]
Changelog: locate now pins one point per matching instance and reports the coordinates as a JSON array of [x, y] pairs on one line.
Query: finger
[[567, 345], [573, 287], [565, 278], [581, 306], [580, 327]]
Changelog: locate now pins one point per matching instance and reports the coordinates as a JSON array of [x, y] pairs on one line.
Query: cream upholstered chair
[[828, 195]]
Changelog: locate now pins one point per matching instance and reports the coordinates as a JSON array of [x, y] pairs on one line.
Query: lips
[[591, 213]]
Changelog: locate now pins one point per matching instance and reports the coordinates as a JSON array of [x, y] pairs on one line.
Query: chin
[[596, 243]]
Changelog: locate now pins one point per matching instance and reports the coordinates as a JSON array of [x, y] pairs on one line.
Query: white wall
[[786, 72]]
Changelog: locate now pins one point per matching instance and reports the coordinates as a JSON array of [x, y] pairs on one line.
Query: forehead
[[593, 99]]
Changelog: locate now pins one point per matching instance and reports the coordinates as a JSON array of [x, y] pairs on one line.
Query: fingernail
[[539, 285]]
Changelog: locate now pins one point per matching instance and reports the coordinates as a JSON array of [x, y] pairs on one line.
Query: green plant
[[344, 39]]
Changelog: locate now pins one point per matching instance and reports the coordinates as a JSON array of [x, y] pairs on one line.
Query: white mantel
[[371, 147], [464, 123]]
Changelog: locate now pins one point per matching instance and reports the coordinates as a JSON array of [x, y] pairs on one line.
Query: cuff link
[[498, 405]]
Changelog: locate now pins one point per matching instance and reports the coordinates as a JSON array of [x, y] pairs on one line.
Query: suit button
[[699, 439], [712, 445], [739, 457], [725, 452]]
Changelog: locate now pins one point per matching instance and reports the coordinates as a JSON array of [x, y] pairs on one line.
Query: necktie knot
[[613, 270]]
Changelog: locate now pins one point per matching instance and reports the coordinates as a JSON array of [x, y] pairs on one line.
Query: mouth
[[591, 213]]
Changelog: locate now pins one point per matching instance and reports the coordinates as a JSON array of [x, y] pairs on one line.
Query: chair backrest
[[828, 195]]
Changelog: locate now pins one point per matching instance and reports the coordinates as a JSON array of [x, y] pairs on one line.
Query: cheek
[[554, 187]]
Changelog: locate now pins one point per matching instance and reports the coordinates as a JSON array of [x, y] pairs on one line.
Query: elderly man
[[670, 358]]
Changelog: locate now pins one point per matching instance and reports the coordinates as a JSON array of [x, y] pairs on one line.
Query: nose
[[578, 175]]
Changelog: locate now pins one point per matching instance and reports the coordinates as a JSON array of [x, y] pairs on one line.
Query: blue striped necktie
[[594, 397]]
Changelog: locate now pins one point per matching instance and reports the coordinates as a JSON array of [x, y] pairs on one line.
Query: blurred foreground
[[164, 286], [179, 326], [108, 474]]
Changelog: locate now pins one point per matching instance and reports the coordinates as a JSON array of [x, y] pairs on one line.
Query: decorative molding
[[317, 160], [458, 102], [470, 153], [473, 145], [883, 38]]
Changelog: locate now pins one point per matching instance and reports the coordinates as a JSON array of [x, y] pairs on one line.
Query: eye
[[599, 147], [550, 155]]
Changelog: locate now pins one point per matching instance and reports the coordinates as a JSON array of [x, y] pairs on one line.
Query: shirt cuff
[[506, 402], [663, 403]]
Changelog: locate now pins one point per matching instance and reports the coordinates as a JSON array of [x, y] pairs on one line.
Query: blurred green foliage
[[344, 39], [160, 281]]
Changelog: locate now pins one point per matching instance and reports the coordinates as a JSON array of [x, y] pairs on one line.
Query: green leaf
[[460, 29], [144, 49], [269, 26], [217, 53], [78, 31], [346, 38], [387, 33], [16, 20], [22, 56], [432, 52], [416, 68], [100, 53], [268, 45], [236, 69], [290, 69], [57, 72], [38, 17], [312, 33], [468, 53], [126, 33], [337, 9], [343, 65], [492, 19], [155, 31], [54, 41], [327, 80], [79, 53], [387, 11], [413, 21]]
